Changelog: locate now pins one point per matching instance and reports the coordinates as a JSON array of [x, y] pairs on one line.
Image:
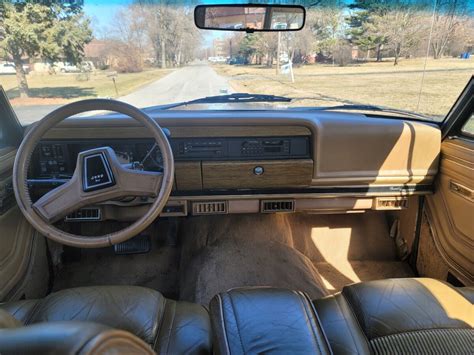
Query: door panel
[[18, 243], [450, 210]]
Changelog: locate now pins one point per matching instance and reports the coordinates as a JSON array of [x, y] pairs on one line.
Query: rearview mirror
[[250, 18]]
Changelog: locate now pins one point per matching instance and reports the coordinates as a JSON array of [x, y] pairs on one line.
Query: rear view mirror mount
[[250, 18]]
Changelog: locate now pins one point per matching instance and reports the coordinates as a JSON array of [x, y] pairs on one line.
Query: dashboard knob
[[258, 170]]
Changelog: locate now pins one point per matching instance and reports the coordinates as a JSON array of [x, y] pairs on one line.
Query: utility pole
[[278, 54]]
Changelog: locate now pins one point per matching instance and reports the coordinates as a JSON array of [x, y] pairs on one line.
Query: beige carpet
[[348, 248], [157, 269], [318, 254]]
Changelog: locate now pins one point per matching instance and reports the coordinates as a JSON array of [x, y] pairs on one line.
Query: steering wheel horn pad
[[96, 171]]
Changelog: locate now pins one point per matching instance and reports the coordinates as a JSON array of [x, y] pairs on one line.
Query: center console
[[263, 320]]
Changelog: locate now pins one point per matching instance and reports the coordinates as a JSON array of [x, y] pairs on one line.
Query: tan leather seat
[[399, 316], [168, 326]]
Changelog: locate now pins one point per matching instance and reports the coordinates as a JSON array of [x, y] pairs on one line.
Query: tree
[[300, 44], [360, 21], [186, 37], [327, 26], [247, 46], [402, 28], [160, 18], [266, 46], [448, 22], [129, 39], [36, 30]]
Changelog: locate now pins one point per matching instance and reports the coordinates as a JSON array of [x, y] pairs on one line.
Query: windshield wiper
[[231, 98], [366, 108]]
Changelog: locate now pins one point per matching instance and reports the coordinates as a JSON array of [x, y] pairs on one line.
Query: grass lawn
[[62, 88], [370, 83]]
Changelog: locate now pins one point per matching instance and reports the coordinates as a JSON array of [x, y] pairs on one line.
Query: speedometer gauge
[[124, 157]]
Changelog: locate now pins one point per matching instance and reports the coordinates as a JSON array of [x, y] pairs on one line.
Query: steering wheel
[[98, 177]]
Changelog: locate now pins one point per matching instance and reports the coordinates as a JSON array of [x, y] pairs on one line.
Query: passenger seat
[[399, 316], [392, 316]]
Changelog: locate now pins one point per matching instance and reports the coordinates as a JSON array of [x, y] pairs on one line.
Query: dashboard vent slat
[[209, 207], [84, 214], [390, 203], [270, 206]]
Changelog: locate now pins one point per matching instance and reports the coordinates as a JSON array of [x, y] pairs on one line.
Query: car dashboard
[[253, 161]]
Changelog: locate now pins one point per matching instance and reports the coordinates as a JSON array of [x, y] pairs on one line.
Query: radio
[[201, 148], [259, 147], [240, 148]]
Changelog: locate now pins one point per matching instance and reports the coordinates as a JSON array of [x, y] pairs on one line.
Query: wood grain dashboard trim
[[188, 175], [237, 175]]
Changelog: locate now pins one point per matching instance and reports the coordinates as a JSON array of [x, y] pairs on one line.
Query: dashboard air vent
[[209, 207], [269, 206], [84, 214], [391, 203]]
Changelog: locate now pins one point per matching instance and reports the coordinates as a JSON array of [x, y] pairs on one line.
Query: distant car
[[280, 26], [88, 66], [7, 68], [238, 61], [67, 68], [218, 59]]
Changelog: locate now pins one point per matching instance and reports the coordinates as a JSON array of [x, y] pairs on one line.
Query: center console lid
[[264, 320]]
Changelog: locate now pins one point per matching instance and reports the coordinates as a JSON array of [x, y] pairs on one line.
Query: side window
[[10, 130], [468, 128]]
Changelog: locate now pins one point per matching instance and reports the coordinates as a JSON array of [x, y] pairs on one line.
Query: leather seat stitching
[[349, 305], [236, 323], [356, 298], [221, 309], [162, 320], [171, 327], [422, 310], [305, 307], [32, 312], [319, 323], [347, 323]]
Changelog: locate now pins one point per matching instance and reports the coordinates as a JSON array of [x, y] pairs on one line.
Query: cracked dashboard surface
[[254, 161]]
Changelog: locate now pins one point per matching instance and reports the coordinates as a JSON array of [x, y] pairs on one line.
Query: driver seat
[[166, 325]]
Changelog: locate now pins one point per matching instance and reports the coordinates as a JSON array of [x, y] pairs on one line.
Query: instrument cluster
[[56, 159]]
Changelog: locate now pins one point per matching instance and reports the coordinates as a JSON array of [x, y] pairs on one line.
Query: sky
[[103, 13]]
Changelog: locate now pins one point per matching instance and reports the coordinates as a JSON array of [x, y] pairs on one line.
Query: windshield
[[405, 55]]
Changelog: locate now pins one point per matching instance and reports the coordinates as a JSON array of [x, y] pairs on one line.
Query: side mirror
[[250, 18]]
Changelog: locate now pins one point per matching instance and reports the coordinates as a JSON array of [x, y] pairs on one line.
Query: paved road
[[191, 82], [188, 83], [33, 113]]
